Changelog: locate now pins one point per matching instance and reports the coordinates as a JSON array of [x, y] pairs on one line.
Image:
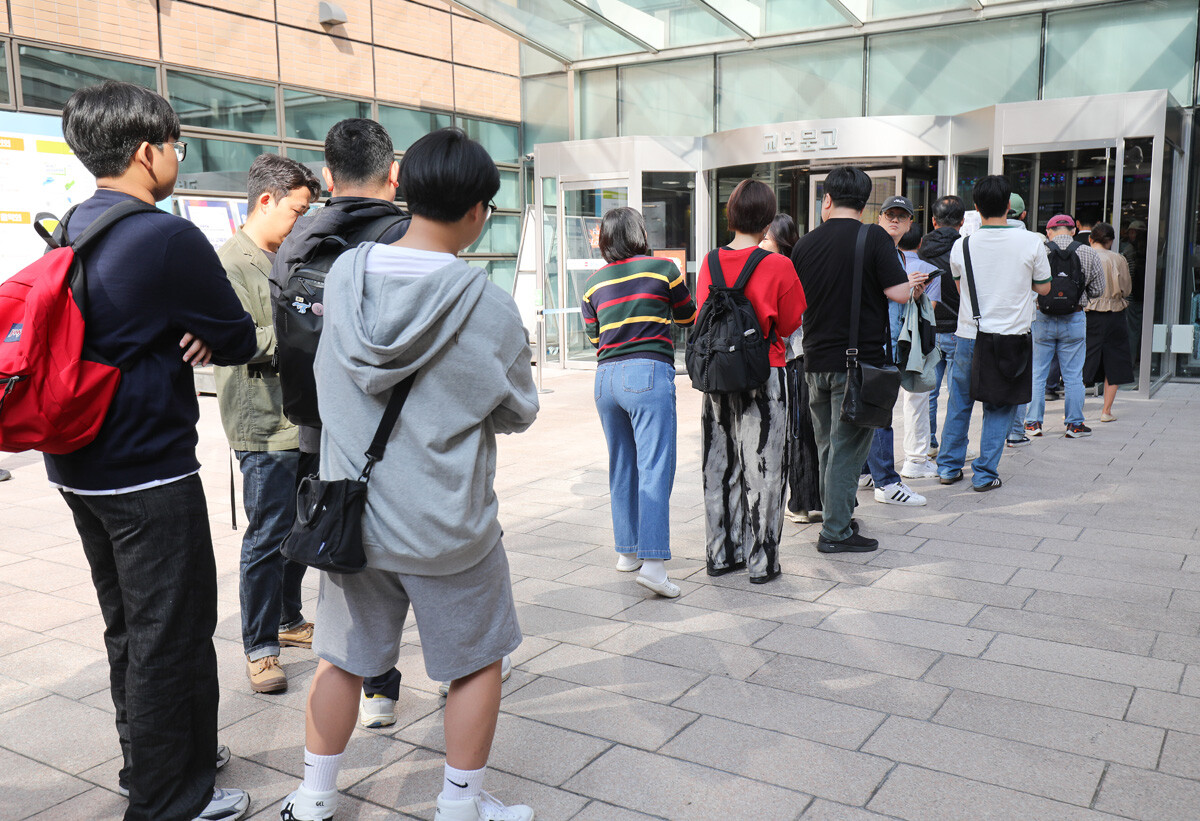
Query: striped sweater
[[628, 307]]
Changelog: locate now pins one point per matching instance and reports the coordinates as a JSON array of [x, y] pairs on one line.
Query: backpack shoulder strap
[[756, 256], [103, 222], [975, 313], [860, 249], [374, 230], [53, 239], [714, 268]]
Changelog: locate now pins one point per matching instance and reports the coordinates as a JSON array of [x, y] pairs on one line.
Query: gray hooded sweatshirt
[[431, 508]]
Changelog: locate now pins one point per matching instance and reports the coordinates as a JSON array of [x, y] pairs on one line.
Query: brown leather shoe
[[298, 636], [266, 676]]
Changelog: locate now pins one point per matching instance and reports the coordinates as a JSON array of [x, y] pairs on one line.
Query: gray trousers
[[841, 450], [744, 441]]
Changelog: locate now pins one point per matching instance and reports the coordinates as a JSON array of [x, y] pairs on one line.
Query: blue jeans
[[881, 460], [636, 402], [1065, 336], [997, 421], [270, 584], [1018, 426], [945, 344], [151, 558]]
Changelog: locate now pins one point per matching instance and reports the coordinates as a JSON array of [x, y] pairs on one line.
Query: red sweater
[[774, 290]]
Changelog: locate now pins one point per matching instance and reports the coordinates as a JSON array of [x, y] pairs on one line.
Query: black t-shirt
[[824, 260]]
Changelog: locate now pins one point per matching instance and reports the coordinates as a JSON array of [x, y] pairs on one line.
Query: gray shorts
[[467, 620]]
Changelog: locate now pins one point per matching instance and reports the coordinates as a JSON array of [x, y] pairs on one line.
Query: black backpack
[[299, 312], [1066, 280], [727, 352]]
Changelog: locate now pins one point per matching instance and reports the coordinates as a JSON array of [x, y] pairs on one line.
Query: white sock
[[655, 570], [320, 771], [460, 784]]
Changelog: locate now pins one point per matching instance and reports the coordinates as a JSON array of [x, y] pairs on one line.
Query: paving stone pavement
[[1032, 652]]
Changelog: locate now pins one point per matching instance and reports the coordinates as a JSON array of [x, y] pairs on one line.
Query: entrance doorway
[[884, 183]]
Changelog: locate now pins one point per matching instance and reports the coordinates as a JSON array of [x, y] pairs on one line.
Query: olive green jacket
[[249, 396]]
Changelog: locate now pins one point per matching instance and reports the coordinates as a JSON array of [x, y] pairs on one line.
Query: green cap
[[1015, 205]]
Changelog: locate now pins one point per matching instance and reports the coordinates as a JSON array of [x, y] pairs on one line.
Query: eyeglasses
[[491, 209], [897, 216], [180, 149]]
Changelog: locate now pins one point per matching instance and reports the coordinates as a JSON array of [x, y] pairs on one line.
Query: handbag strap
[[860, 250], [390, 415], [971, 281]]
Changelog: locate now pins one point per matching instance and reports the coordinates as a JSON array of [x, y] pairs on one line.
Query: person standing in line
[[414, 311], [804, 496], [628, 308], [824, 260], [280, 190], [1064, 335], [744, 435], [157, 302], [914, 407], [1108, 358], [935, 248], [1009, 266]]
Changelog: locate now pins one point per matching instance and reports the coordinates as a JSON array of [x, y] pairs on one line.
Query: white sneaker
[[899, 493], [376, 711], [666, 588], [481, 808], [918, 470], [309, 805], [627, 562], [865, 481], [226, 805], [505, 672], [804, 517]]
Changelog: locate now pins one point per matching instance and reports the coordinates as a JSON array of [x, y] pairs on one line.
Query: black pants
[[152, 563]]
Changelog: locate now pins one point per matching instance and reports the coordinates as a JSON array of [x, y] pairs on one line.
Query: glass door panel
[[583, 205], [1132, 233], [884, 183], [668, 201]]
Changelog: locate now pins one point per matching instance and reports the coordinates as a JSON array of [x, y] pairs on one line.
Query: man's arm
[[1041, 270], [519, 407], [202, 302], [264, 335]]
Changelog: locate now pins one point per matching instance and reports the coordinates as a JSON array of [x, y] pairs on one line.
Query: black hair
[[358, 152], [949, 211], [751, 207], [848, 187], [623, 235], [911, 239], [1088, 215], [104, 125], [278, 176], [446, 173], [1102, 233], [991, 196], [783, 233]]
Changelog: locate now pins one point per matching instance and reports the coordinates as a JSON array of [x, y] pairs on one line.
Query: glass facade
[[597, 97], [1122, 47], [218, 102], [49, 77], [781, 84], [939, 71], [5, 92], [406, 125], [501, 140], [308, 115], [545, 111], [219, 165], [667, 99]]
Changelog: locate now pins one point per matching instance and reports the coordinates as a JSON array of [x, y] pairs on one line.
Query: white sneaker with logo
[[483, 807], [918, 470], [309, 805], [899, 493], [376, 711]]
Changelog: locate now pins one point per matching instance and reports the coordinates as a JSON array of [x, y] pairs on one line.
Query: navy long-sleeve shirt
[[151, 278]]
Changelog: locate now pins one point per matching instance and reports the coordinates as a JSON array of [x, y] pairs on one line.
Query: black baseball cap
[[903, 203]]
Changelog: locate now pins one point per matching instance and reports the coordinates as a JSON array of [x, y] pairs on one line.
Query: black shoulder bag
[[870, 391], [327, 533], [1002, 365]]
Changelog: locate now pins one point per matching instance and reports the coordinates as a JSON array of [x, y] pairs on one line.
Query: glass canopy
[[573, 31]]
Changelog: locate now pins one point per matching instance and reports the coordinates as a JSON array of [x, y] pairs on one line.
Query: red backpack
[[54, 389]]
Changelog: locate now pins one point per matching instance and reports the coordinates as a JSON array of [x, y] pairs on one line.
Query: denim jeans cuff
[[299, 622], [626, 550], [262, 652], [664, 555]]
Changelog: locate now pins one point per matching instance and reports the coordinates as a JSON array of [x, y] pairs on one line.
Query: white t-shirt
[[1007, 261]]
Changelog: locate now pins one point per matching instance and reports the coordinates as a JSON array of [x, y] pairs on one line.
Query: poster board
[[676, 255], [217, 218]]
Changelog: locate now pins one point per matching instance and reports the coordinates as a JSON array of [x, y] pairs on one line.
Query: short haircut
[[446, 173], [783, 232], [623, 235], [358, 152], [911, 239], [949, 211], [1088, 215], [1102, 233], [848, 187], [278, 176], [991, 196], [751, 207], [104, 125]]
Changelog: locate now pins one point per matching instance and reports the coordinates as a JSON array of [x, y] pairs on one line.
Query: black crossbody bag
[[1002, 364], [870, 391], [327, 533]]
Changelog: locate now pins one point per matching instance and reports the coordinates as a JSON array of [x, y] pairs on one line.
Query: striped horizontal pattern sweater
[[628, 307]]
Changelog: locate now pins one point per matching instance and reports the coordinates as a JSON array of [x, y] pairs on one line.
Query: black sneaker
[[1019, 442], [1078, 431], [992, 485], [957, 476], [854, 543]]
